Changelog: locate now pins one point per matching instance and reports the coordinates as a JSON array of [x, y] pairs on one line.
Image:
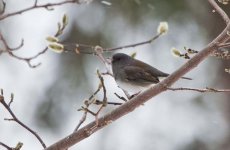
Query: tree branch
[[14, 118], [6, 146], [220, 11], [26, 59], [134, 45], [36, 6], [207, 89], [142, 97], [61, 27], [47, 6]]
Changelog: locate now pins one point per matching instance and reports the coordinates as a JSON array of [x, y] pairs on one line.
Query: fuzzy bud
[[52, 39], [163, 28], [56, 47], [175, 52], [65, 20]]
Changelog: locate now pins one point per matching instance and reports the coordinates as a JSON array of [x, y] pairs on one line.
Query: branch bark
[[207, 89], [220, 11], [145, 95]]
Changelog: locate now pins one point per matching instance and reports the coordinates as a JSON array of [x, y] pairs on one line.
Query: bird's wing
[[153, 71], [137, 74]]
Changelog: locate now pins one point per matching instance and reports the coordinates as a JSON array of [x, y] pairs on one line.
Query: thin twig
[[7, 47], [98, 102], [36, 6], [133, 45], [103, 87], [92, 100], [104, 101], [26, 59], [11, 99], [61, 27], [81, 121], [207, 89], [95, 93], [96, 116], [14, 118], [98, 52], [85, 108], [94, 48], [17, 47], [89, 111], [6, 146], [121, 97], [126, 94]]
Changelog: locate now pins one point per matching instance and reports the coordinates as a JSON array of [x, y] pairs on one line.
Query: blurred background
[[47, 97]]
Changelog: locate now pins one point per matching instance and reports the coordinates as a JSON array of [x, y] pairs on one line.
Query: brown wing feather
[[153, 71], [137, 74]]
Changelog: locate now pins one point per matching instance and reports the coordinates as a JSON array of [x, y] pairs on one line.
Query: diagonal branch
[[6, 146], [142, 97]]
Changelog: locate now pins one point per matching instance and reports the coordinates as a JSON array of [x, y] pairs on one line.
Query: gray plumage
[[135, 72]]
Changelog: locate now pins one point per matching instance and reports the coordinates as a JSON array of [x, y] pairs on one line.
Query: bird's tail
[[186, 78], [165, 75]]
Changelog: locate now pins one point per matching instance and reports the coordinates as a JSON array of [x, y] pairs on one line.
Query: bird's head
[[120, 58]]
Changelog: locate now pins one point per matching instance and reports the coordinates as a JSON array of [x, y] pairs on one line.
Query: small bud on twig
[[52, 39], [98, 49], [18, 146], [190, 51], [163, 28], [175, 52], [65, 20], [56, 47]]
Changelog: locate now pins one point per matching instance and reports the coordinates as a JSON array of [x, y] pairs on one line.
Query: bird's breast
[[128, 86]]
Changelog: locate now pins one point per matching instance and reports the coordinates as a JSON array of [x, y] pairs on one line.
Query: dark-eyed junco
[[134, 75]]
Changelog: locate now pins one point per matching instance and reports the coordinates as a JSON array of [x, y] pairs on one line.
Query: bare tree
[[212, 49]]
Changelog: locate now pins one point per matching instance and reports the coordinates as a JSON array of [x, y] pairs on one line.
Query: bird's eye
[[116, 59]]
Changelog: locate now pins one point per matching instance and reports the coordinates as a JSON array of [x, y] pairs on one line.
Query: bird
[[134, 75]]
